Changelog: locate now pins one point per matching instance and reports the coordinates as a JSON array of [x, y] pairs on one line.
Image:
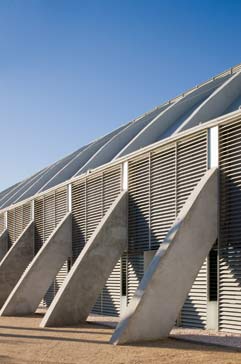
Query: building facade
[[159, 158]]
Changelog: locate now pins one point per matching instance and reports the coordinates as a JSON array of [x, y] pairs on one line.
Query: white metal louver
[[194, 311], [48, 212], [192, 163], [91, 198], [139, 204], [163, 194], [159, 184], [78, 217], [230, 228], [17, 219]]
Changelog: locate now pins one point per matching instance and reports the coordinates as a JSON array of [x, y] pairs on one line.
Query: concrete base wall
[[81, 288], [16, 261], [3, 244], [170, 275], [34, 283]]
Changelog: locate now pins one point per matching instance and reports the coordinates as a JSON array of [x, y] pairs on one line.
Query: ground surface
[[22, 341]]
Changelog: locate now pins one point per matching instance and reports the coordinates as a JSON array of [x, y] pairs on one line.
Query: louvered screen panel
[[2, 223], [192, 163], [194, 312], [163, 194], [230, 228], [94, 213], [39, 223], [112, 292], [61, 208], [39, 237], [11, 227], [49, 211], [49, 215], [94, 205], [108, 303], [17, 219], [139, 205], [27, 214], [111, 186], [78, 217], [135, 271], [61, 204], [60, 277]]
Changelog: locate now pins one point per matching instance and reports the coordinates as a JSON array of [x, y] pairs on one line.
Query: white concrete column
[[213, 161], [125, 176], [213, 147], [70, 197]]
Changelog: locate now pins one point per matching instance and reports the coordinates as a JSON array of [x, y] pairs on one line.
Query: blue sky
[[71, 71]]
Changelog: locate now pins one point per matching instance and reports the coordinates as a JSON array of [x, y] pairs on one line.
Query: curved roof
[[216, 97]]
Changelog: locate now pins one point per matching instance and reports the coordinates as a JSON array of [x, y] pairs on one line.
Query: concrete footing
[[170, 275], [87, 277], [3, 244], [34, 283], [16, 261]]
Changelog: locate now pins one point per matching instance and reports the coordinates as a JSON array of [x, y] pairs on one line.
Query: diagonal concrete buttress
[[3, 244], [16, 261], [87, 277], [34, 283], [162, 292]]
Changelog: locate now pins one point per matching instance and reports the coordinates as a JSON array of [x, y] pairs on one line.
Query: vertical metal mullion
[[69, 198], [179, 318]]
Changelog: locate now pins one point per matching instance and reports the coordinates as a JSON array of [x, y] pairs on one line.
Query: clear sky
[[71, 71]]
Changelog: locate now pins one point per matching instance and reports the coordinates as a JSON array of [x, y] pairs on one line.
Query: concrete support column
[[34, 283], [161, 294], [88, 275], [16, 261]]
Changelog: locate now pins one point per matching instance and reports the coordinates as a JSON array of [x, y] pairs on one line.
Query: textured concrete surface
[[23, 342], [91, 269], [16, 261], [170, 275], [3, 244], [34, 283]]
